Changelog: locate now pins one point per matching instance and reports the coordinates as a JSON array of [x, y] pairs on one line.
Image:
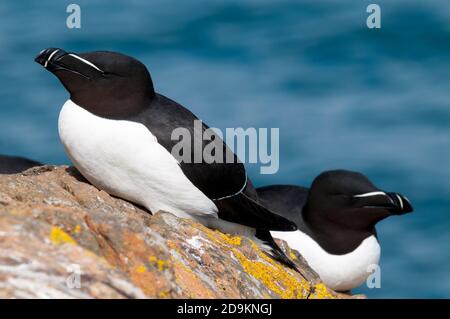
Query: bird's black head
[[350, 201], [105, 83]]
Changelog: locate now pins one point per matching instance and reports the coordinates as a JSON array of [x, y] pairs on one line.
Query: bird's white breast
[[339, 272], [124, 159]]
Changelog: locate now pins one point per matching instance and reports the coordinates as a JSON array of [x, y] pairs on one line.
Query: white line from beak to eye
[[50, 57], [371, 194], [85, 61], [401, 201]]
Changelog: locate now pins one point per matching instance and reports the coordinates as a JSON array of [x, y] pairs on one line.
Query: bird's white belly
[[124, 159], [339, 272]]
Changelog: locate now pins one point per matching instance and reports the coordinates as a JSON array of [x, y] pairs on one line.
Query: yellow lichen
[[141, 269], [14, 211], [322, 292], [270, 273], [164, 294], [161, 264], [273, 276], [231, 240], [292, 255], [59, 237], [77, 229], [278, 279]]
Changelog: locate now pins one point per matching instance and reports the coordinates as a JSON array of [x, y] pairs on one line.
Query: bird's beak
[[54, 60], [394, 203], [400, 204], [50, 58]]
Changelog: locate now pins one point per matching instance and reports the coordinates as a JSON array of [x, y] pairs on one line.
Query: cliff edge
[[60, 237]]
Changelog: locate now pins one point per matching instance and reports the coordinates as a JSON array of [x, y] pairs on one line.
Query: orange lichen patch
[[60, 237], [134, 245], [190, 283], [172, 245], [161, 264], [148, 281], [108, 251], [322, 292]]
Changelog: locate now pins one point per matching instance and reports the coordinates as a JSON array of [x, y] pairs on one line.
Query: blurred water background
[[343, 96]]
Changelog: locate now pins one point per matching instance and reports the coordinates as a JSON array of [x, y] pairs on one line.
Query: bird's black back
[[215, 180], [285, 200], [225, 183]]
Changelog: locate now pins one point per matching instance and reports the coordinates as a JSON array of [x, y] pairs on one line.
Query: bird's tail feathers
[[270, 248]]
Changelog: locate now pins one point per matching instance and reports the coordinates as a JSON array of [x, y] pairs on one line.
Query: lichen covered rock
[[60, 237]]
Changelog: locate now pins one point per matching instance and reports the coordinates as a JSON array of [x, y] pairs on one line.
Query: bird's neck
[[334, 238], [116, 108]]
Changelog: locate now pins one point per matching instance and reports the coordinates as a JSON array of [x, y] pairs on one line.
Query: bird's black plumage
[[286, 200], [332, 212], [15, 164]]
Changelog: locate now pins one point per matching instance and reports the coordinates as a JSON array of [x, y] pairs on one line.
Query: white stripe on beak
[[407, 199], [86, 62], [377, 194], [371, 194], [50, 57], [400, 200]]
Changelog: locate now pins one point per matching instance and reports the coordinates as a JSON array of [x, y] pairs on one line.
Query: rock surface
[[60, 237]]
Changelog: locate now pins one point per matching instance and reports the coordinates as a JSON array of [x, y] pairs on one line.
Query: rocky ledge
[[60, 237]]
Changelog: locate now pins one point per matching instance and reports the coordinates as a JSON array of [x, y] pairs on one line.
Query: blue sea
[[342, 95]]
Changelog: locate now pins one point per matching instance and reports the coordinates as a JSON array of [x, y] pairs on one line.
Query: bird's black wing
[[226, 183], [285, 200]]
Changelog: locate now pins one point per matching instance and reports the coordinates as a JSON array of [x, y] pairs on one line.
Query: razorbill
[[336, 223], [117, 132], [15, 164]]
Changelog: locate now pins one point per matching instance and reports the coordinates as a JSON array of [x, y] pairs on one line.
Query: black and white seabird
[[15, 164], [117, 131], [336, 223]]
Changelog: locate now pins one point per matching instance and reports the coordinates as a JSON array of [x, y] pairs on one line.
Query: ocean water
[[342, 95]]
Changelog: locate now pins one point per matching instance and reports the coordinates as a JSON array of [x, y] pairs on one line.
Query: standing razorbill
[[336, 223], [117, 131]]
